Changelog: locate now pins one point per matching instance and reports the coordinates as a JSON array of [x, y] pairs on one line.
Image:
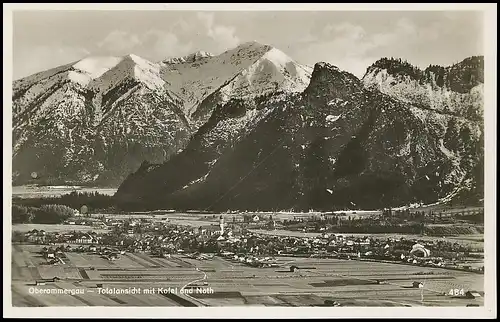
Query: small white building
[[418, 285], [85, 239]]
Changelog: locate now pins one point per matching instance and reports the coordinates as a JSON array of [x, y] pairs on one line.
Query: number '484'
[[456, 292]]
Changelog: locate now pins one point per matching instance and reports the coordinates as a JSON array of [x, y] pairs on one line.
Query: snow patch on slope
[[445, 151], [38, 90], [281, 61], [200, 179], [406, 148], [332, 118]]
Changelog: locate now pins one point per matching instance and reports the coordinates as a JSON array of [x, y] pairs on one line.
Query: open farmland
[[54, 228], [474, 240], [196, 219], [33, 191], [184, 219], [349, 282]]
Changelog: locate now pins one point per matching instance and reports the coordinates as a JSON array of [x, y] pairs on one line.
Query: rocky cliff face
[[340, 144], [456, 90], [450, 100]]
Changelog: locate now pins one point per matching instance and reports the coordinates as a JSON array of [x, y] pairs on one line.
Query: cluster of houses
[[404, 221], [51, 238], [54, 255], [254, 249], [250, 260]]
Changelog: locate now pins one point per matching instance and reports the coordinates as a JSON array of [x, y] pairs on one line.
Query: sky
[[350, 40]]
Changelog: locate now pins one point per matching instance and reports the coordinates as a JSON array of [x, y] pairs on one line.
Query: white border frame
[[488, 311]]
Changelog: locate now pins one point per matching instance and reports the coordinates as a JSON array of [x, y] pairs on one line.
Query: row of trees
[[45, 214], [399, 67], [75, 200]]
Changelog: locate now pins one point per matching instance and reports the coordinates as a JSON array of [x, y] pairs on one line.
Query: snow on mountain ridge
[[273, 71], [194, 81], [94, 75], [95, 66], [251, 69], [199, 75], [191, 58], [281, 60], [95, 119], [130, 66], [91, 68], [98, 118]]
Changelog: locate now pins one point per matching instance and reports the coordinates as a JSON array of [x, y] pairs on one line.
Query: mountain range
[[252, 129], [96, 120]]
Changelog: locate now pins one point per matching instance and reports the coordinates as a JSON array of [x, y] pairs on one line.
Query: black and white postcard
[[250, 160]]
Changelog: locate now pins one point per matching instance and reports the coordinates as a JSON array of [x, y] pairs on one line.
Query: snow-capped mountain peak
[[278, 57], [252, 44], [198, 55], [139, 60], [91, 68], [99, 71], [129, 67], [88, 112], [248, 70], [273, 70], [191, 58], [95, 66]]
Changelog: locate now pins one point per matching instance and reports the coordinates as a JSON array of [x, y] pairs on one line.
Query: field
[[350, 283], [32, 191], [474, 240], [54, 228]]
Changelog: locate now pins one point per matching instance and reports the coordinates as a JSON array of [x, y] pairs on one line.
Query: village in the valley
[[254, 250]]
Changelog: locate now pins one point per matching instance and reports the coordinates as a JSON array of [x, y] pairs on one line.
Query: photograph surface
[[270, 158]]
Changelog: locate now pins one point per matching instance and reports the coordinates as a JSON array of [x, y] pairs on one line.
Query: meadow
[[350, 283]]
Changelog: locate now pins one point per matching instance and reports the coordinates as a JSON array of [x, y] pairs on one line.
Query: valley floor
[[349, 283]]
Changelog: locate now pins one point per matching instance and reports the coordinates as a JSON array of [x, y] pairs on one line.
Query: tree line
[[45, 214], [92, 200]]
